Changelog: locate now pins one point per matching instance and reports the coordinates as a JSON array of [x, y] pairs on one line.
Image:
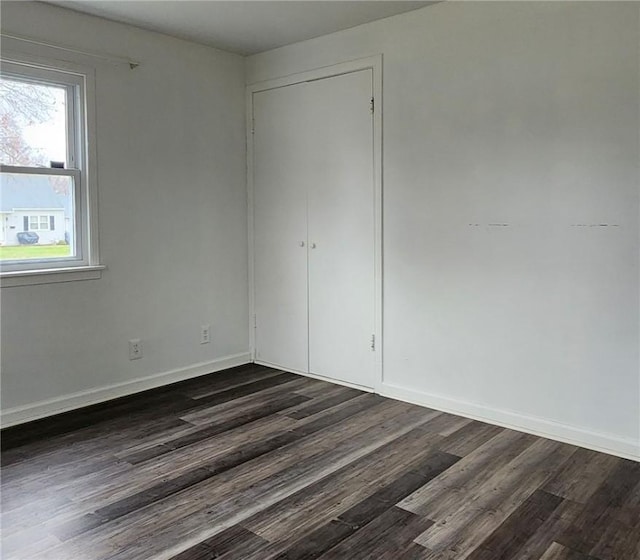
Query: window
[[47, 225], [39, 223], [34, 223]]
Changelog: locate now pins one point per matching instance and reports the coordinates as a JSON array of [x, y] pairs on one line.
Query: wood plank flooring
[[257, 464]]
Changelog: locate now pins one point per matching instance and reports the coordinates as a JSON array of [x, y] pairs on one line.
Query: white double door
[[314, 217]]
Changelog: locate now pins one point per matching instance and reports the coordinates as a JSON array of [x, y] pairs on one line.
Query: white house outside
[[30, 203]]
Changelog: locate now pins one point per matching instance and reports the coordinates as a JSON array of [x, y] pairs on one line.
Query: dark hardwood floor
[[257, 464]]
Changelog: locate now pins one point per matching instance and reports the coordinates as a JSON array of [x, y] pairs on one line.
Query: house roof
[[32, 192]]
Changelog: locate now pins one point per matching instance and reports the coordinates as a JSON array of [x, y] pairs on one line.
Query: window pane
[[34, 129], [25, 233]]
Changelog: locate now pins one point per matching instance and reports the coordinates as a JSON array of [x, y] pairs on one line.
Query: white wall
[[172, 217], [514, 113], [510, 209]]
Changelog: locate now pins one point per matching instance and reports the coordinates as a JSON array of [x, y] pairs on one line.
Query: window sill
[[50, 275]]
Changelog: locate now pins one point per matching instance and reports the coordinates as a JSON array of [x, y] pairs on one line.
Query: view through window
[[40, 162]]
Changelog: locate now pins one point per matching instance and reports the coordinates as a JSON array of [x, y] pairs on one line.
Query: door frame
[[374, 63]]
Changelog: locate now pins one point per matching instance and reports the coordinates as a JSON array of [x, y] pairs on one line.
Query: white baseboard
[[318, 377], [42, 409], [606, 443]]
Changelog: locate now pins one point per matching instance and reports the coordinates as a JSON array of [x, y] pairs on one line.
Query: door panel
[[280, 225], [340, 184]]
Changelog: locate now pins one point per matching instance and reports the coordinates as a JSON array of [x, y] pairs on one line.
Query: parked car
[[28, 237]]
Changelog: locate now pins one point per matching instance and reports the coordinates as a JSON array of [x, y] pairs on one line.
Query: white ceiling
[[241, 26]]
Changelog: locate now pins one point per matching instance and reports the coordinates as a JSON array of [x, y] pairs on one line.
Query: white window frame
[[79, 81]]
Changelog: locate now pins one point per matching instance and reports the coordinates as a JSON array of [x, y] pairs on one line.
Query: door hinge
[[373, 342], [253, 125], [372, 105], [255, 322]]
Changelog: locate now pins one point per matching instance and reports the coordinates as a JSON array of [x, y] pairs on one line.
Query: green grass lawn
[[34, 252]]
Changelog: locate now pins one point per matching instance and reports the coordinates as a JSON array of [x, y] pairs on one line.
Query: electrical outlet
[[135, 349], [205, 334]]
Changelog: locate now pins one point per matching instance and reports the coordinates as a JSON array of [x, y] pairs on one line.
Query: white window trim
[[85, 178]]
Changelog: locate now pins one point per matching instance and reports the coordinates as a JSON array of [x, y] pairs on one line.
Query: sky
[[50, 136], [43, 103]]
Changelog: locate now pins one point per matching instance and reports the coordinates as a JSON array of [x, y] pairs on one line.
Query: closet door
[[340, 182], [280, 175]]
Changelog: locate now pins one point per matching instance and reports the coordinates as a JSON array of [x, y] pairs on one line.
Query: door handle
[[301, 243], [313, 245]]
